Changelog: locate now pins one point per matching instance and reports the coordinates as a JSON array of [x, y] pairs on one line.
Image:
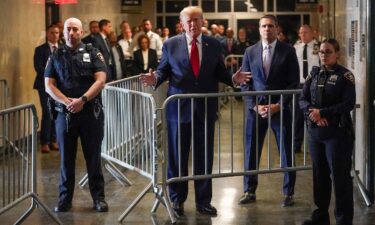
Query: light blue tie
[[267, 60]]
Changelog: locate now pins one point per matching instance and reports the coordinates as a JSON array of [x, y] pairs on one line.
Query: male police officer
[[74, 77]]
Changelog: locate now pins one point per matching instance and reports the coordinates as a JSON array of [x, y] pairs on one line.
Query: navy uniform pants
[[47, 130], [203, 188], [331, 151], [251, 149], [90, 130]]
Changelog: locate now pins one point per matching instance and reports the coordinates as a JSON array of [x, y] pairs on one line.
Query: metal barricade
[[18, 160], [3, 94], [225, 164], [130, 136], [130, 83]]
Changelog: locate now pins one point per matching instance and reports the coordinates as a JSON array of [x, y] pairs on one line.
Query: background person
[[41, 54], [274, 66]]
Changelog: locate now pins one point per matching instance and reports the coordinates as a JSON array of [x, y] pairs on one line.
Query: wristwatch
[[84, 98]]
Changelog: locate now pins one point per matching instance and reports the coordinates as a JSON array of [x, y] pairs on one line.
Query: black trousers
[[47, 130], [203, 188], [90, 130], [331, 151]]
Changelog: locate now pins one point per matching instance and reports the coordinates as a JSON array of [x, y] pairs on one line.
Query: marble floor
[[266, 210]]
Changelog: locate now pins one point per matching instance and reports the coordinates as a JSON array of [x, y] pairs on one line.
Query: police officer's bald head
[[73, 32]]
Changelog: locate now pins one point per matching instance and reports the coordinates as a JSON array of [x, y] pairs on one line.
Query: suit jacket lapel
[[274, 59], [185, 53], [204, 56]]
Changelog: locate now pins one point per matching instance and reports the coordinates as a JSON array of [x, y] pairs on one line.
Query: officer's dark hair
[[103, 23], [143, 36], [145, 20], [271, 17], [333, 42], [93, 21]]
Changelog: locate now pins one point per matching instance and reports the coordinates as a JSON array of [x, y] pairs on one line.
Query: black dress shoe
[[178, 208], [318, 218], [247, 198], [207, 210], [63, 207], [315, 222], [288, 201], [100, 206]]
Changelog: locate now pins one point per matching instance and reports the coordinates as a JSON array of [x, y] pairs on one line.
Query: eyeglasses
[[326, 53]]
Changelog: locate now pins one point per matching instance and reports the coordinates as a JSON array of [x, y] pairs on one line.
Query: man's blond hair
[[190, 10]]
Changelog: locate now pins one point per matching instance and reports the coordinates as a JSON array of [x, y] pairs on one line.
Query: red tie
[[194, 57]]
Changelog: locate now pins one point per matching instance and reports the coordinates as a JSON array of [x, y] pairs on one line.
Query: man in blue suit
[[41, 54], [192, 63], [273, 66], [101, 42]]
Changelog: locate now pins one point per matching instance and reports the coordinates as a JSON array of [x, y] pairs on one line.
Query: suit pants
[[331, 151], [202, 159], [298, 124], [90, 130], [251, 181], [47, 130]]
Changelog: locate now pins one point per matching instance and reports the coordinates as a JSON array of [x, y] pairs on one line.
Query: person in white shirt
[[155, 40], [307, 49]]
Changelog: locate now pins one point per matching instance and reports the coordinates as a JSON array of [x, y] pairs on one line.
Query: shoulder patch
[[349, 76], [100, 56]]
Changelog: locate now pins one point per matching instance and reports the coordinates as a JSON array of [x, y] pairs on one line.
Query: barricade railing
[[18, 180], [130, 83], [225, 162], [130, 137], [4, 91]]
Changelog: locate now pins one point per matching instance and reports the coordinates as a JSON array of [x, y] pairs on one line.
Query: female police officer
[[328, 97]]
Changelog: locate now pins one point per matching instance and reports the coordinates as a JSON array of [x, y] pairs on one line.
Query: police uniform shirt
[[74, 70], [312, 56], [338, 95]]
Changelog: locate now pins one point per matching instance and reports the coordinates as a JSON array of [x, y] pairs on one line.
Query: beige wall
[[21, 30]]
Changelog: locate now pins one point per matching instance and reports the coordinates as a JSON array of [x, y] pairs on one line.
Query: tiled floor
[[266, 210]]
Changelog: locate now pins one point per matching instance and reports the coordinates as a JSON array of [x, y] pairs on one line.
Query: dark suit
[[106, 50], [138, 62], [175, 67], [88, 39], [283, 74], [47, 131]]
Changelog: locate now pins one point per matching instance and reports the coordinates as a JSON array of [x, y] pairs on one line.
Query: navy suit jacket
[[98, 42], [283, 75], [138, 61], [41, 55], [175, 66]]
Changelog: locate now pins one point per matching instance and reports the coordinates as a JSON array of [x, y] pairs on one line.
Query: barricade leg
[[117, 174], [135, 202], [114, 171]]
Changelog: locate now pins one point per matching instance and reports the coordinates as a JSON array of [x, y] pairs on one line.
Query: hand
[[148, 79], [75, 105], [262, 110], [314, 115], [322, 122], [241, 77]]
